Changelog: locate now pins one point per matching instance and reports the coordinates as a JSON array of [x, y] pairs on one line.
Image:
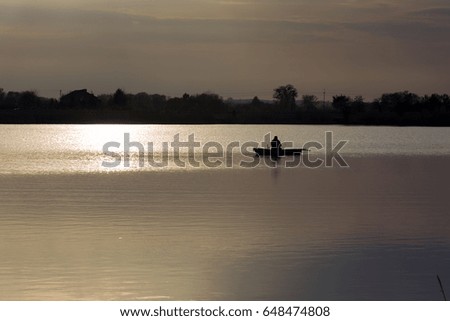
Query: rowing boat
[[274, 152]]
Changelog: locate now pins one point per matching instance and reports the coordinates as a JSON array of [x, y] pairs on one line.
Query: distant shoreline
[[82, 107]]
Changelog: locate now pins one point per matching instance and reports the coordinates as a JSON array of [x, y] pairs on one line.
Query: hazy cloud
[[237, 46]]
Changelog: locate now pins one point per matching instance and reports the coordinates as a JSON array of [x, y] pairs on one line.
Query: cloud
[[441, 14], [128, 28], [343, 44], [407, 32]]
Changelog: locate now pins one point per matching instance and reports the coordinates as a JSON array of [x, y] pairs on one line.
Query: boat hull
[[277, 153]]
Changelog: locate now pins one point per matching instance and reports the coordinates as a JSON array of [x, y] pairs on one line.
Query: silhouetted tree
[[285, 96], [358, 104], [11, 100], [433, 103], [208, 100], [446, 102], [256, 102], [28, 100], [2, 94], [399, 102], [104, 99], [141, 100], [309, 102], [119, 98], [49, 103], [2, 98], [158, 101], [342, 103]]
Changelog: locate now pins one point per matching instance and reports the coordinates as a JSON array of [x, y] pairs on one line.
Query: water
[[50, 149], [71, 229]]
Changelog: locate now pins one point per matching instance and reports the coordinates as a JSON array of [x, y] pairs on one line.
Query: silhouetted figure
[[275, 147]]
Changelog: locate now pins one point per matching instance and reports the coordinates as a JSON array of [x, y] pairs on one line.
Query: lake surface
[[73, 229]]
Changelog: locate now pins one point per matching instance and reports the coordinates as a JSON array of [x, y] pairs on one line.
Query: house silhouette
[[79, 98]]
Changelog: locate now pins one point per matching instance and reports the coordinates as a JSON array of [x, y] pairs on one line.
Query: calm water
[[72, 229]]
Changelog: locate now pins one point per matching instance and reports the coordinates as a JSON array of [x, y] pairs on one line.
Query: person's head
[[276, 138]]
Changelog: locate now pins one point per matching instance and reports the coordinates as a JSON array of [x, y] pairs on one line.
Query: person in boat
[[275, 146]]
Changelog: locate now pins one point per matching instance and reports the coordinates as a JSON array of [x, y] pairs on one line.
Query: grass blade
[[442, 288]]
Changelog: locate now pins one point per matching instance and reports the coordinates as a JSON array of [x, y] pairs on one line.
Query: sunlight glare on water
[[79, 148]]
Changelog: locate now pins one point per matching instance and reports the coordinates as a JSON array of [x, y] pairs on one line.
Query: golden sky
[[238, 48]]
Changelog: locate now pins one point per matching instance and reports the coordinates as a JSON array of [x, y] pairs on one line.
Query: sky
[[236, 48]]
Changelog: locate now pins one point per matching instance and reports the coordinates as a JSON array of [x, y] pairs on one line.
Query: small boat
[[274, 152]]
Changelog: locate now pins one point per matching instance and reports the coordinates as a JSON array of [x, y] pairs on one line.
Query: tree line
[[81, 106]]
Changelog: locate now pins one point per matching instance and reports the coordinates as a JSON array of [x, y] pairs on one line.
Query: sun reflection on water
[[94, 137]]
